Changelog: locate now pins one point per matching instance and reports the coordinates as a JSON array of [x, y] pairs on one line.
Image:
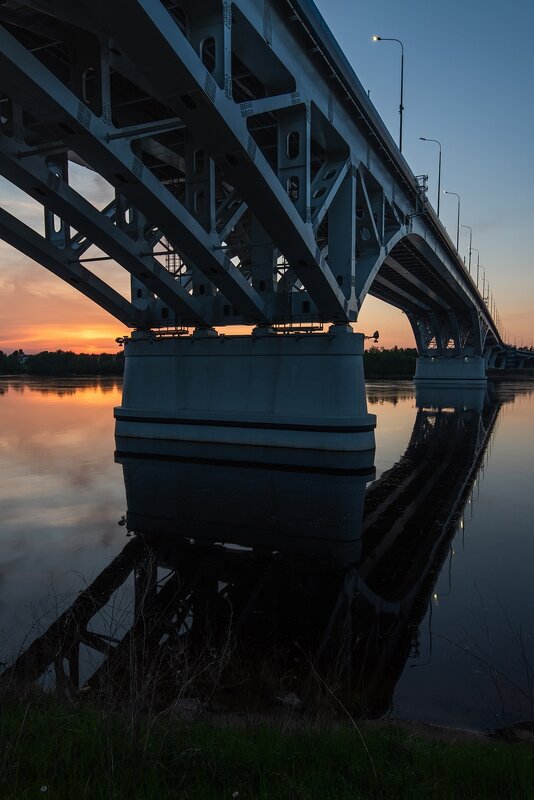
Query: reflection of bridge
[[253, 183], [317, 570]]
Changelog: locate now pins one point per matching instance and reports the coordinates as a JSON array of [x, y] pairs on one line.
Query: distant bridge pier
[[271, 392], [468, 371]]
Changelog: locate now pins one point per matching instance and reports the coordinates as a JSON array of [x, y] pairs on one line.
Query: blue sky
[[469, 82]]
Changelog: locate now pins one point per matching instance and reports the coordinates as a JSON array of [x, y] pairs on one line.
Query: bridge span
[[254, 183]]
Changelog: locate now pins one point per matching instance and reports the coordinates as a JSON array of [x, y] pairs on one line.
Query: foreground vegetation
[[65, 752], [378, 362]]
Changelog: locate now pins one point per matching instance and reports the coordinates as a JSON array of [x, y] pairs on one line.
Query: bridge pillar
[[466, 371], [278, 392]]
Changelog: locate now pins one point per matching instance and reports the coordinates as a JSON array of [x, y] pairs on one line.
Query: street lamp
[[422, 138], [458, 221], [485, 285], [478, 262], [470, 242], [401, 106]]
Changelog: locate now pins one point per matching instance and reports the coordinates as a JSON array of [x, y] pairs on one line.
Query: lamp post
[[401, 106], [458, 220], [478, 262], [422, 138], [470, 242]]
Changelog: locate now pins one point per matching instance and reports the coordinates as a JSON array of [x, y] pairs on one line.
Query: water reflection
[[246, 582], [62, 387]]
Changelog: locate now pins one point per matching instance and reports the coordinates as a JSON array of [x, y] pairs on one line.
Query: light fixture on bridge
[[478, 262], [470, 229], [401, 106], [458, 220], [424, 139], [375, 336]]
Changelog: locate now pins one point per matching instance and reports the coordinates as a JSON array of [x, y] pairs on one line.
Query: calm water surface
[[419, 583]]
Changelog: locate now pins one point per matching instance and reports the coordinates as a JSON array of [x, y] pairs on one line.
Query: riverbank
[[65, 751], [502, 375]]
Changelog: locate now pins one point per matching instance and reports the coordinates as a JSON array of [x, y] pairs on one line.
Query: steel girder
[[261, 162]]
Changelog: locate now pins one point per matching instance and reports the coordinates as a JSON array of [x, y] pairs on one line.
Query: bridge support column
[[466, 371], [271, 393]]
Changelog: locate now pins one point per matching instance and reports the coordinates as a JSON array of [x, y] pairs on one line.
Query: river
[[406, 591]]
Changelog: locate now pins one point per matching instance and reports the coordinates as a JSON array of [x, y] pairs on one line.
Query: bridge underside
[[249, 178]]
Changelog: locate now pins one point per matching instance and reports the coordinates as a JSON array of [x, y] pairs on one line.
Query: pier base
[[292, 510], [465, 371], [265, 390]]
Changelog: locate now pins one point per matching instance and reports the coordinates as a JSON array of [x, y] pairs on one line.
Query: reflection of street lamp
[[458, 221], [401, 107], [470, 242], [439, 166]]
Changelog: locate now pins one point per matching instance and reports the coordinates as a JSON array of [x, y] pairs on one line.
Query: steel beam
[[33, 177], [63, 263], [42, 94]]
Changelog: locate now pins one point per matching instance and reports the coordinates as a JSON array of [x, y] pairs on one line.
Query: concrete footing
[[266, 390], [180, 492], [467, 372], [433, 396]]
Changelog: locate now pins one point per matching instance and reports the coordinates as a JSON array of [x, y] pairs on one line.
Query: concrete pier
[[462, 371], [283, 391]]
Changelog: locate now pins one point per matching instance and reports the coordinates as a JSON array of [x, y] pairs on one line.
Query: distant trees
[[61, 362], [399, 361]]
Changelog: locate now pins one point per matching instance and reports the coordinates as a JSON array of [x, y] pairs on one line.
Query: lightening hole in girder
[[293, 144], [365, 234], [293, 188], [208, 53], [199, 160], [88, 75], [360, 214], [319, 192], [330, 174], [57, 223]]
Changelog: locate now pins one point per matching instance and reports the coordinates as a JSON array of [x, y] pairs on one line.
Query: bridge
[[253, 183], [325, 572]]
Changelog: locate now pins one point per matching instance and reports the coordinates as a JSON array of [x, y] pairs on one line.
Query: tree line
[[62, 363], [399, 361]]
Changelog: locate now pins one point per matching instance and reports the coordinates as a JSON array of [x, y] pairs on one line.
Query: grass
[[65, 752]]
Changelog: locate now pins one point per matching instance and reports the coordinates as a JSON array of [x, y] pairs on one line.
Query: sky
[[468, 82]]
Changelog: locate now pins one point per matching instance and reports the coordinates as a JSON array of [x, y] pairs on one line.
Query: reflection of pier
[[236, 574]]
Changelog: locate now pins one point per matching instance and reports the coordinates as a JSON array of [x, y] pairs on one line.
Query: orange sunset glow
[[41, 312]]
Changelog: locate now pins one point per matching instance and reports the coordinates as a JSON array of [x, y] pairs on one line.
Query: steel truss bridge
[[254, 182]]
